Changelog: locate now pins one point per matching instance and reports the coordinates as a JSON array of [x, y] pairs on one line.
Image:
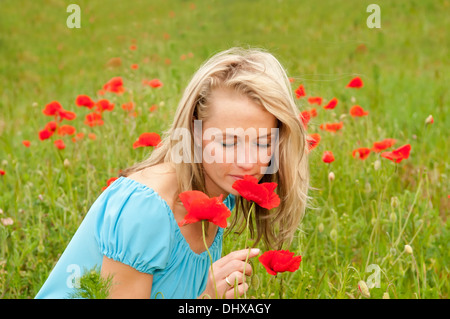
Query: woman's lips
[[237, 177]]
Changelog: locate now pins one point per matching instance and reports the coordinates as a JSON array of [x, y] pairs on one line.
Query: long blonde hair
[[258, 75]]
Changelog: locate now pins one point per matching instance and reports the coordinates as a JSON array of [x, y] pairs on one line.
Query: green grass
[[322, 46]]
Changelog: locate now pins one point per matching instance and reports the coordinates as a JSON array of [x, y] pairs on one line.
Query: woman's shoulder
[[161, 178]]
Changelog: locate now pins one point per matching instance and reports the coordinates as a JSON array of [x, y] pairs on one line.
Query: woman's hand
[[230, 268]]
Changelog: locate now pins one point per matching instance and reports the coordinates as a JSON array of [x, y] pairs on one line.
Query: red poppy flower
[[312, 140], [2, 172], [104, 105], [52, 109], [147, 139], [332, 104], [155, 83], [60, 144], [363, 152], [382, 145], [355, 83], [115, 85], [315, 100], [328, 157], [51, 126], [68, 115], [305, 116], [398, 154], [93, 119], [66, 130], [276, 261], [357, 110], [129, 106], [45, 134], [331, 127], [26, 143], [84, 100], [300, 91], [262, 194], [109, 182], [200, 207]]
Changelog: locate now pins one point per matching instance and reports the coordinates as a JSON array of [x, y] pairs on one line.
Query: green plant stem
[[246, 239], [210, 258]]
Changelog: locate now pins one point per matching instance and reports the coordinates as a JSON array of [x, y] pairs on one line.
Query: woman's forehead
[[231, 109]]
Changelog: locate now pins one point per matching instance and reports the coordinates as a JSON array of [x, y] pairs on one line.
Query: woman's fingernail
[[255, 250]]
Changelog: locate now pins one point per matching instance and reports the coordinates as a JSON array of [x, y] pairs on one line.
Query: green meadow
[[358, 223]]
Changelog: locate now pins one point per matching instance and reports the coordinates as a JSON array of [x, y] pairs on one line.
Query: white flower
[[331, 176], [408, 249], [7, 221]]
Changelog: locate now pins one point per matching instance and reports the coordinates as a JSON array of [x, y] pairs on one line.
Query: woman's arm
[[127, 282]]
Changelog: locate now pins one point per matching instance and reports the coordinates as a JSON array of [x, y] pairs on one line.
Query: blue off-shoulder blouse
[[130, 223]]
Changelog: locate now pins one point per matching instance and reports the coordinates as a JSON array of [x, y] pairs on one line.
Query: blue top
[[130, 223]]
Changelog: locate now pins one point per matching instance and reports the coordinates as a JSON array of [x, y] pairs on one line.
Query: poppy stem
[[245, 245], [210, 257]]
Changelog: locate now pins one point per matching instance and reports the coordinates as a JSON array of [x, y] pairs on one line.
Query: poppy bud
[[386, 295], [66, 163], [331, 176], [408, 249], [321, 227], [377, 165], [394, 202], [429, 119], [333, 234], [362, 286]]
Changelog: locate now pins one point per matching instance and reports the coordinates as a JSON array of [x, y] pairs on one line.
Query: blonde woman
[[236, 117]]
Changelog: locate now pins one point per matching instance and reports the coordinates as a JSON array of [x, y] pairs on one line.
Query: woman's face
[[238, 139]]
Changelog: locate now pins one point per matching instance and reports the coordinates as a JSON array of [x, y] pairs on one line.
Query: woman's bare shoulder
[[160, 177]]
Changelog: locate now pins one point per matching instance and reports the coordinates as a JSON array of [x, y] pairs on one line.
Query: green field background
[[364, 217]]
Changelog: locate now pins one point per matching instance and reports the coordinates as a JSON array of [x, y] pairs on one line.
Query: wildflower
[[66, 130], [93, 119], [382, 145], [155, 83], [363, 152], [331, 176], [2, 172], [355, 83], [26, 143], [201, 207], [147, 139], [60, 144], [8, 221], [68, 115], [357, 111], [262, 194], [114, 85], [429, 119], [104, 105], [276, 261], [328, 157], [304, 118], [362, 286], [315, 100], [300, 91], [129, 106], [109, 182], [312, 140], [52, 108], [395, 202], [377, 165], [134, 66], [331, 104], [408, 249], [331, 127], [386, 295], [84, 100], [398, 154], [45, 134]]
